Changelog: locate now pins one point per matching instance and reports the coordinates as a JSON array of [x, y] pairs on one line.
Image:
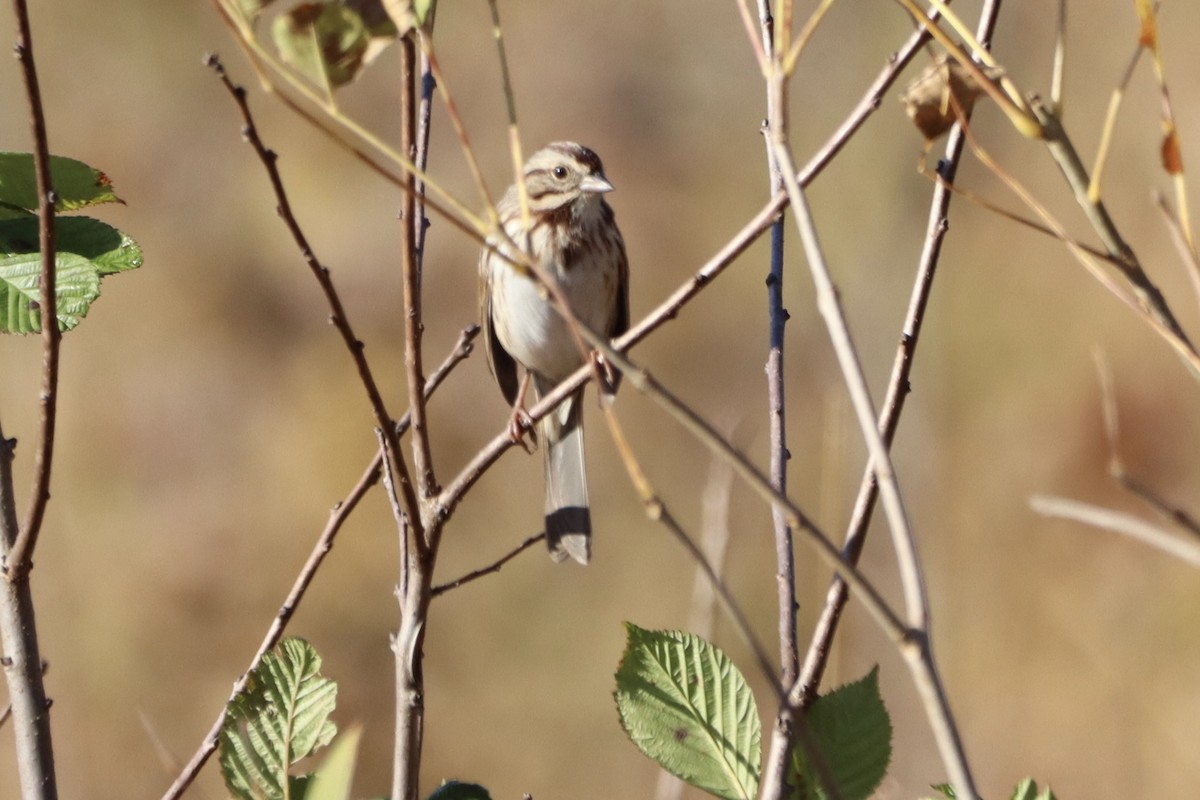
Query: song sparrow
[[575, 240]]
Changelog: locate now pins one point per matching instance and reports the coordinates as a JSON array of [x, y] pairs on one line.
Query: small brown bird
[[574, 238]]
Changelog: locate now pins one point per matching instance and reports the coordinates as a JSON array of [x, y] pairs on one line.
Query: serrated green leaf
[[685, 705], [332, 781], [281, 717], [76, 184], [77, 284], [107, 248], [325, 42], [454, 790], [851, 730], [1027, 789]]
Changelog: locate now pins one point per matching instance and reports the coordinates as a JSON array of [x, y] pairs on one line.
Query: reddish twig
[[22, 660], [338, 316]]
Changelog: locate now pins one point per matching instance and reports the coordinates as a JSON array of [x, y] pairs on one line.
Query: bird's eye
[[560, 172]]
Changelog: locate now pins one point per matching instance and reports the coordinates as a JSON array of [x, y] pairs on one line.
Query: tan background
[[210, 416]]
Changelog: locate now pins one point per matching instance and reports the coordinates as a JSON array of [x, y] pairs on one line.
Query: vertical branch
[[775, 129], [410, 269], [22, 660], [785, 575], [418, 538], [408, 646], [21, 553]]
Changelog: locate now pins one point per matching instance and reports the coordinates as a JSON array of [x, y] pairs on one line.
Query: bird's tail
[[568, 516]]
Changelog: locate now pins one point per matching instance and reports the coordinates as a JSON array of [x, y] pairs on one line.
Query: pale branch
[[829, 305], [656, 509], [916, 648], [1186, 550], [1062, 150]]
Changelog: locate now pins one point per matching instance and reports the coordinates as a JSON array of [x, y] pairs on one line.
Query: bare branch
[[410, 270], [20, 556], [1116, 522], [490, 569], [338, 316], [22, 661]]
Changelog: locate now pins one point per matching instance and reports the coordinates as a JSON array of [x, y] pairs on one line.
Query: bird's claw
[[519, 425]]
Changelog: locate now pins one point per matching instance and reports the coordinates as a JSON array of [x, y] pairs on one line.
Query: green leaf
[[1028, 790], [945, 789], [87, 251], [107, 248], [76, 184], [332, 781], [685, 705], [324, 42], [851, 730], [281, 717], [453, 790], [77, 284]]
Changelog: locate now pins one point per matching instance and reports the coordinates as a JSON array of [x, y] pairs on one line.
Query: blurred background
[[210, 416]]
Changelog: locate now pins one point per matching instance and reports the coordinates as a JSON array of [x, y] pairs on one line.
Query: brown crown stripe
[[581, 154]]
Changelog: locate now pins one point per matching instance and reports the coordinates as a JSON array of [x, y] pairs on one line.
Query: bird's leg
[[520, 422], [608, 378]]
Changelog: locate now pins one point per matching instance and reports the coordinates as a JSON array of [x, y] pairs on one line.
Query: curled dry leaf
[[931, 98]]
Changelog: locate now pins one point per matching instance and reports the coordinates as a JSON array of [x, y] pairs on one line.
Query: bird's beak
[[596, 184]]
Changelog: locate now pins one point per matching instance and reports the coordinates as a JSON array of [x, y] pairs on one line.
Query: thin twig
[[324, 543], [345, 131], [1187, 254], [490, 569], [1172, 153], [1124, 524], [828, 303], [917, 649], [338, 316], [657, 510], [775, 128], [817, 655], [1063, 151], [1110, 123], [1059, 70], [1116, 465], [715, 535], [410, 271], [777, 317], [20, 556]]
